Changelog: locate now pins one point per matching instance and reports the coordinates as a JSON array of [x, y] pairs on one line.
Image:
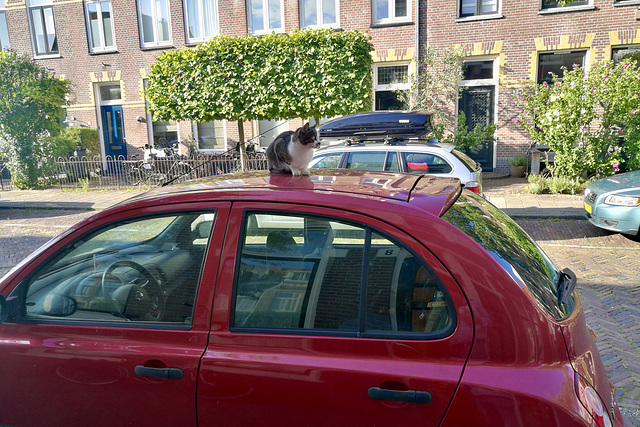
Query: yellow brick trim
[[481, 48], [391, 55], [533, 65]]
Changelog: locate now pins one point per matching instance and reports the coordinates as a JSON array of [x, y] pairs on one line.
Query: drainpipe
[[417, 52]]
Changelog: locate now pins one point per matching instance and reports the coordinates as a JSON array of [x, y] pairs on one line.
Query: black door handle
[[411, 396], [168, 373]]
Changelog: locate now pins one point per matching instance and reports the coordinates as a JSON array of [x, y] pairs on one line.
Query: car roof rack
[[381, 126]]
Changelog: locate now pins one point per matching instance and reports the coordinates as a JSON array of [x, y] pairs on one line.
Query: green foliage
[[461, 137], [309, 73], [518, 161], [86, 138], [539, 184], [435, 89], [590, 120], [31, 100]]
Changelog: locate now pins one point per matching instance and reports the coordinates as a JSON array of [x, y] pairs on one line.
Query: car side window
[[426, 163], [373, 160], [331, 161], [137, 270], [316, 273]]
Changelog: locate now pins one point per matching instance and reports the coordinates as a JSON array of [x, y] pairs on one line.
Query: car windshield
[[512, 248]]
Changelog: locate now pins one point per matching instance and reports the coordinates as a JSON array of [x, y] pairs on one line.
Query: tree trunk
[[241, 145]]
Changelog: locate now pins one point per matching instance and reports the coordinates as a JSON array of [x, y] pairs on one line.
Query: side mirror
[[3, 309], [59, 305]]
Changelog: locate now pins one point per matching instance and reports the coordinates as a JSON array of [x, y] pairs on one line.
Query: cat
[[292, 151]]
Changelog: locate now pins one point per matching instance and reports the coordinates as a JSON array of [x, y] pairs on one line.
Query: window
[[391, 11], [305, 272], [553, 63], [201, 18], [331, 161], [100, 25], [210, 135], [265, 16], [136, 270], [549, 4], [318, 13], [43, 31], [478, 7], [160, 133], [268, 130], [4, 30], [388, 79], [153, 18], [620, 53], [425, 163], [373, 160]]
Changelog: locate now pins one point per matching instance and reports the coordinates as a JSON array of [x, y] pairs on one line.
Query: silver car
[[412, 157]]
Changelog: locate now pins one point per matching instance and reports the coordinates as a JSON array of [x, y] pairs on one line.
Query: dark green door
[[477, 104]]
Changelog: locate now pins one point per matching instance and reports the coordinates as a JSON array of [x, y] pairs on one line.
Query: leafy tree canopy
[[31, 103], [309, 73]]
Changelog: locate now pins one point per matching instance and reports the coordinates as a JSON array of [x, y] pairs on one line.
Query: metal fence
[[121, 172]]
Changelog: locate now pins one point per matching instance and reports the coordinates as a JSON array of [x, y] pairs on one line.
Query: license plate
[[587, 208]]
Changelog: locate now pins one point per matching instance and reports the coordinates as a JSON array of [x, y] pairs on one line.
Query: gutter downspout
[[417, 46]]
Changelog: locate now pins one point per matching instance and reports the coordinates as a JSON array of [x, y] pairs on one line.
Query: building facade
[[105, 48], [509, 43]]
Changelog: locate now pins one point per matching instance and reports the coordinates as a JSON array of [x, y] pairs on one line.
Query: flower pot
[[518, 171]]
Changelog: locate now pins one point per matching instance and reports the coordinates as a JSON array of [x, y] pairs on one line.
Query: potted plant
[[518, 166]]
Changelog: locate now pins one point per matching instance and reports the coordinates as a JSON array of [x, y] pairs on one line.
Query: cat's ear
[[305, 127]]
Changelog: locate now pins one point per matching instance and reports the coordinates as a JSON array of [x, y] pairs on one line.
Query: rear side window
[[307, 273], [330, 161], [466, 160], [373, 160], [512, 248], [426, 163]]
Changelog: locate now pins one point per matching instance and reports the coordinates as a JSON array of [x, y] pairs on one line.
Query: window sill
[[390, 24], [164, 46], [480, 18], [103, 52], [49, 56], [566, 9], [627, 3]]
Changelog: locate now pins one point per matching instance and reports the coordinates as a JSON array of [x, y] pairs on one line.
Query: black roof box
[[377, 126]]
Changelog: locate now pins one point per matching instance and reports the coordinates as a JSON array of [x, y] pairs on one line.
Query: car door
[[107, 327], [324, 317]]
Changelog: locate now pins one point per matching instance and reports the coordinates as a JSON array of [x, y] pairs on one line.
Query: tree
[[309, 73], [31, 101], [436, 89], [591, 120]]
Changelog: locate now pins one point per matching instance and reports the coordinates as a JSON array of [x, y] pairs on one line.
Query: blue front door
[[113, 131]]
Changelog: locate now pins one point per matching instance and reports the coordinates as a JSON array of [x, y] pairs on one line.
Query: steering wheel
[[139, 299]]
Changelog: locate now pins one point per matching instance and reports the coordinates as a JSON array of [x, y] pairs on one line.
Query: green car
[[613, 203]]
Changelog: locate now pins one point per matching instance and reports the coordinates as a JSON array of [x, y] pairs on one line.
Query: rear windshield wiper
[[566, 285]]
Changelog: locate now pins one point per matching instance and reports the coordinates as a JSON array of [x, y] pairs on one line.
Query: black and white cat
[[292, 151]]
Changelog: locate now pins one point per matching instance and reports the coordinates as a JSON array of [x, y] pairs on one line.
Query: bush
[[86, 138], [539, 184], [518, 161]]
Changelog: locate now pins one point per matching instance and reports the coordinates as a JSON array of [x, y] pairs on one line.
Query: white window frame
[[41, 5], [392, 86], [392, 19], [150, 121], [154, 14], [567, 8], [585, 62], [319, 14], [5, 30], [265, 18], [199, 13], [101, 30], [196, 137]]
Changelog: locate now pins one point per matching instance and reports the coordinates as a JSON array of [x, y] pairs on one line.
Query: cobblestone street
[[606, 264]]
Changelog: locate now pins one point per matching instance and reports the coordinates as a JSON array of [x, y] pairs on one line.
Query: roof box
[[377, 126]]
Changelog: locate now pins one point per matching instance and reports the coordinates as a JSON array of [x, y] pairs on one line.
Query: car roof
[[428, 193]]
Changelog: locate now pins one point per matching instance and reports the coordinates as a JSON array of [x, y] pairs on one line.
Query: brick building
[[509, 42], [105, 47]]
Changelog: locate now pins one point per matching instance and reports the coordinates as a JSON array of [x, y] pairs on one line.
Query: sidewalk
[[508, 194]]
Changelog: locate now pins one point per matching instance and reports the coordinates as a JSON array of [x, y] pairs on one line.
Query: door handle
[[168, 373], [411, 396]]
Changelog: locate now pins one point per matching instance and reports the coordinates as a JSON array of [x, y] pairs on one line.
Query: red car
[[344, 298]]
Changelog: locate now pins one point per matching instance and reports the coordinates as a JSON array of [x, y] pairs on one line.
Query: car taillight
[[473, 186], [592, 402]]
